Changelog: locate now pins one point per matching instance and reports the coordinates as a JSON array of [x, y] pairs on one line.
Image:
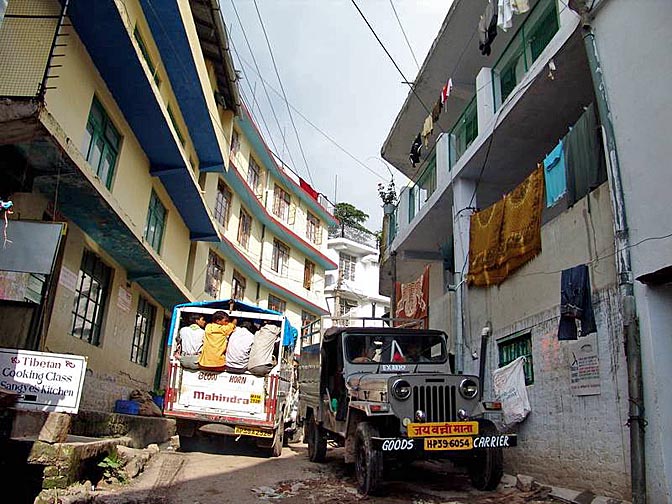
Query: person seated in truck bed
[[217, 332], [238, 347], [264, 348], [191, 340]]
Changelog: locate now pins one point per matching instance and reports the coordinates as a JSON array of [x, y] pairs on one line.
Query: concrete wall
[[637, 84]]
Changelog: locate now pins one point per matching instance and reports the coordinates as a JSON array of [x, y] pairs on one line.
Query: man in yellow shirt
[[214, 343]]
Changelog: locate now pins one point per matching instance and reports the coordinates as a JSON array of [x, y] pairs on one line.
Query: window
[[142, 333], [308, 272], [223, 204], [253, 173], [277, 304], [514, 346], [281, 203], [313, 230], [180, 136], [346, 265], [244, 228], [345, 305], [101, 143], [235, 143], [145, 55], [238, 286], [91, 293], [280, 259], [156, 222], [214, 275], [306, 319]]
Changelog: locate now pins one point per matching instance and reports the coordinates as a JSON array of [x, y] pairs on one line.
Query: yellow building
[[123, 121]]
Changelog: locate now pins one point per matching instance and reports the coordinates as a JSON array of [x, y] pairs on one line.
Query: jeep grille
[[437, 401]]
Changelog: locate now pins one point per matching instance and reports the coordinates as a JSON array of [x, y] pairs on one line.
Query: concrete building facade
[[507, 109], [121, 123]]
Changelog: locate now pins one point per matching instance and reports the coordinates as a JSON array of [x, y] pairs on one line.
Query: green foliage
[[350, 216], [112, 468]]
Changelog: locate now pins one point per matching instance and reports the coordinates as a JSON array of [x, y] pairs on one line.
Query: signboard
[[584, 366], [45, 381], [124, 299], [68, 279], [214, 392]]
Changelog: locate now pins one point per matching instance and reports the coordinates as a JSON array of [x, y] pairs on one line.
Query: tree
[[350, 216]]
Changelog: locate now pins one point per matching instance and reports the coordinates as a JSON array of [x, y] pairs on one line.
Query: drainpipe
[[636, 419], [393, 298]]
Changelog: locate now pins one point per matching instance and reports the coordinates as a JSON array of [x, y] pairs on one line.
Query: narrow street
[[225, 471]]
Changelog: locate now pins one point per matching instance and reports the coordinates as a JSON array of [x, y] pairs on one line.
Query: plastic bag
[[510, 390]]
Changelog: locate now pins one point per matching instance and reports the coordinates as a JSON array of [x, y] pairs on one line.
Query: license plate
[[448, 443], [252, 432], [434, 429], [255, 398]]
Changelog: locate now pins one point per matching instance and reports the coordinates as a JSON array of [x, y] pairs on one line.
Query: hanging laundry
[[575, 303], [520, 6], [436, 110], [487, 28], [555, 176], [427, 130], [445, 91], [416, 151], [309, 189], [504, 14], [505, 236]]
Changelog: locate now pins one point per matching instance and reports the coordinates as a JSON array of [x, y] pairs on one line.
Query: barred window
[[253, 175], [346, 265], [281, 203], [214, 275], [238, 285], [308, 272], [345, 305], [514, 346], [223, 204], [313, 229], [277, 304], [101, 143], [244, 228], [142, 333], [280, 259], [93, 288]]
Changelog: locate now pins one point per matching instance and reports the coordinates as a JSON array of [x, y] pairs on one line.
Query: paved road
[[223, 471]]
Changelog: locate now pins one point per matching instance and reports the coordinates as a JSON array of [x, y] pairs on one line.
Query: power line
[[410, 85], [249, 48], [313, 125], [404, 33], [296, 132]]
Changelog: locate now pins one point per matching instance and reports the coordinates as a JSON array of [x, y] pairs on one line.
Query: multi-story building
[[508, 110], [352, 289], [123, 121]]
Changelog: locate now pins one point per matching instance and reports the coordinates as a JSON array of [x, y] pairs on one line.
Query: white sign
[[124, 298], [223, 393], [45, 381], [584, 366], [68, 279]]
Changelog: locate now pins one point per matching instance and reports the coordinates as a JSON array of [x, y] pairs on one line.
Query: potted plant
[[388, 195]]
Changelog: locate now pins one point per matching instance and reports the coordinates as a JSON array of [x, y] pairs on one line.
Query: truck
[[260, 408], [386, 392]]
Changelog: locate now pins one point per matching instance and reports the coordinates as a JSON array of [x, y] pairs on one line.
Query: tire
[[316, 439], [368, 460], [487, 465]]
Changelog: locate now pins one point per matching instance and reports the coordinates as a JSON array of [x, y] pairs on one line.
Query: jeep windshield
[[402, 348]]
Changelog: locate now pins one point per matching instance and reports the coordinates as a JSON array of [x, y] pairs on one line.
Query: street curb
[[566, 494]]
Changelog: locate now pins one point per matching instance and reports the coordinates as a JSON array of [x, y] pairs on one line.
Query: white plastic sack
[[510, 390]]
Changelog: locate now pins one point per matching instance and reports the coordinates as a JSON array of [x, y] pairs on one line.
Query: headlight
[[401, 390], [468, 388]]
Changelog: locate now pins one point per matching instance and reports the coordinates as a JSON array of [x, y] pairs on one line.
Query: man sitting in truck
[[213, 355], [238, 348], [262, 354], [191, 340]]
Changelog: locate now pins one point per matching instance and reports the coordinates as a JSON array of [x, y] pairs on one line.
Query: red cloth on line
[[306, 187]]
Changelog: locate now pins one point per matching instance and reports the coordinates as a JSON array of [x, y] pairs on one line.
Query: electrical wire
[[404, 33], [249, 48], [282, 88]]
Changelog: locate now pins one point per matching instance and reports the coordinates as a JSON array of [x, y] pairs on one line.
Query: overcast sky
[[335, 74]]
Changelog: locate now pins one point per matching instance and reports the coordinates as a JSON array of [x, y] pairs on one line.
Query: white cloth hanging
[[520, 6], [504, 14]]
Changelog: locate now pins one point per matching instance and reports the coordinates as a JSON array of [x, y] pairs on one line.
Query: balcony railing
[[464, 132], [420, 191], [531, 39]]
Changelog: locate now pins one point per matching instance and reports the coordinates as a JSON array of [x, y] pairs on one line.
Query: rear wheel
[[487, 465], [368, 460], [316, 439]]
